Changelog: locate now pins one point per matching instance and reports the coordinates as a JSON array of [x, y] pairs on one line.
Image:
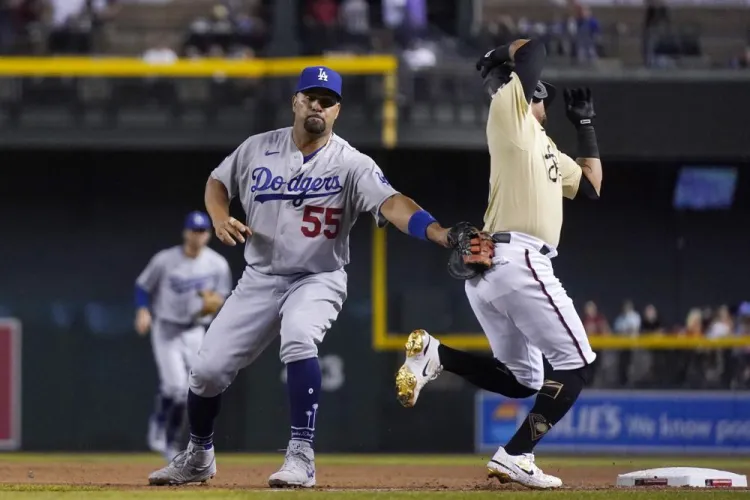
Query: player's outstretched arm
[[228, 229], [411, 219], [579, 108]]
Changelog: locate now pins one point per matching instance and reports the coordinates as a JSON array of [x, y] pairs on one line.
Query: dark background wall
[[78, 226]]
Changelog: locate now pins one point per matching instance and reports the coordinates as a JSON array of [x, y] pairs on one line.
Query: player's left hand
[[579, 106], [212, 301], [472, 251]]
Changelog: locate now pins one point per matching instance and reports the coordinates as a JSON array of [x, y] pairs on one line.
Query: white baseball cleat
[[520, 469], [421, 366], [157, 436], [298, 470], [193, 465]]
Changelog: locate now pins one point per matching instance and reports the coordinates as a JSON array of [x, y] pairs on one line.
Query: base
[[683, 476]]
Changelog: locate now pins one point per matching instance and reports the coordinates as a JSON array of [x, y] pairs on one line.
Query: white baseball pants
[[526, 313]]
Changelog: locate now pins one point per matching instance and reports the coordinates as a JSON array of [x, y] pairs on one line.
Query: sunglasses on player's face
[[325, 99]]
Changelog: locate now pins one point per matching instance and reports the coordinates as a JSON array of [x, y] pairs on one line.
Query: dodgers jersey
[[301, 213], [173, 279], [528, 175]]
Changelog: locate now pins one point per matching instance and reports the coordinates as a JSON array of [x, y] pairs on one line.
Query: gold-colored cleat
[[414, 344], [406, 382]]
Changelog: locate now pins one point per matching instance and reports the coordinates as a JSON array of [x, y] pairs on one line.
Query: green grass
[[93, 493], [340, 459]]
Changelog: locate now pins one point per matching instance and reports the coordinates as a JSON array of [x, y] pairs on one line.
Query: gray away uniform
[[294, 283], [173, 280]]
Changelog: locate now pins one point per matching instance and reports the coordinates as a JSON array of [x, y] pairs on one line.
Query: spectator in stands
[[235, 32], [320, 26], [75, 23], [605, 369], [354, 17], [627, 324], [587, 35], [250, 30], [655, 23], [215, 29], [693, 323], [407, 19], [594, 321], [708, 366], [722, 324], [650, 366], [33, 19], [651, 322], [160, 52]]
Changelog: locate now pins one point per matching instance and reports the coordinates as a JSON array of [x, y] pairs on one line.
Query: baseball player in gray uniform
[[301, 188], [177, 296]]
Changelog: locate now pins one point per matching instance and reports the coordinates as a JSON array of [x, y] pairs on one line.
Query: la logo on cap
[[322, 75]]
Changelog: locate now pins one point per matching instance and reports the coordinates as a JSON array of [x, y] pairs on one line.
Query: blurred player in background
[[177, 296], [522, 307]]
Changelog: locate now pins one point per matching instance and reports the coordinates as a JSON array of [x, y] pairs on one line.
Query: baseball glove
[[472, 251], [212, 302]]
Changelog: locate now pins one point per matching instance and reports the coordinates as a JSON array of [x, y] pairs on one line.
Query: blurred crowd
[[695, 369], [421, 32]]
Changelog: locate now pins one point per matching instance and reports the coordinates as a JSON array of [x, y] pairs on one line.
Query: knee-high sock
[[303, 384]]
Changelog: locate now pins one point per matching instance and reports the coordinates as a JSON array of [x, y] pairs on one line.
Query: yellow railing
[[119, 67], [384, 340]]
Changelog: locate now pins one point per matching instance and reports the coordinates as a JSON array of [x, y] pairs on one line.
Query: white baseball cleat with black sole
[[193, 465], [298, 470], [520, 469], [422, 365]]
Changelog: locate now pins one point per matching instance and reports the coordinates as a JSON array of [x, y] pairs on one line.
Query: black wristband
[[587, 145]]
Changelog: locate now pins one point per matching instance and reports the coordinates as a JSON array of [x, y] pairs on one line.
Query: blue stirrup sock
[[303, 384]]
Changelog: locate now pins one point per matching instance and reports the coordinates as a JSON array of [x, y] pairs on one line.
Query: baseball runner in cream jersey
[[520, 304], [177, 296], [302, 189]]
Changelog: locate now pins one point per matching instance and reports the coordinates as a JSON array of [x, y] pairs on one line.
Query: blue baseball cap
[[319, 77], [197, 221]]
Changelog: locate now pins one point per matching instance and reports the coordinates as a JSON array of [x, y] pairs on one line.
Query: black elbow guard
[[587, 188]]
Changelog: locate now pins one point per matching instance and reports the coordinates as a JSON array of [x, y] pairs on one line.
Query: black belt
[[506, 237]]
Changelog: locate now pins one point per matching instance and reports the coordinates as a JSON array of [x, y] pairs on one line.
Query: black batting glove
[[579, 107], [493, 58]]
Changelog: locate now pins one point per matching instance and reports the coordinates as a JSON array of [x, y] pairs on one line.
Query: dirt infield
[[233, 476]]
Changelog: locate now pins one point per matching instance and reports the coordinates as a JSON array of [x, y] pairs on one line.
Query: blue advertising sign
[[627, 421]]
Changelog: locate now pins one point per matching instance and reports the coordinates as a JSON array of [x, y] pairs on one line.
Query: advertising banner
[[628, 421]]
